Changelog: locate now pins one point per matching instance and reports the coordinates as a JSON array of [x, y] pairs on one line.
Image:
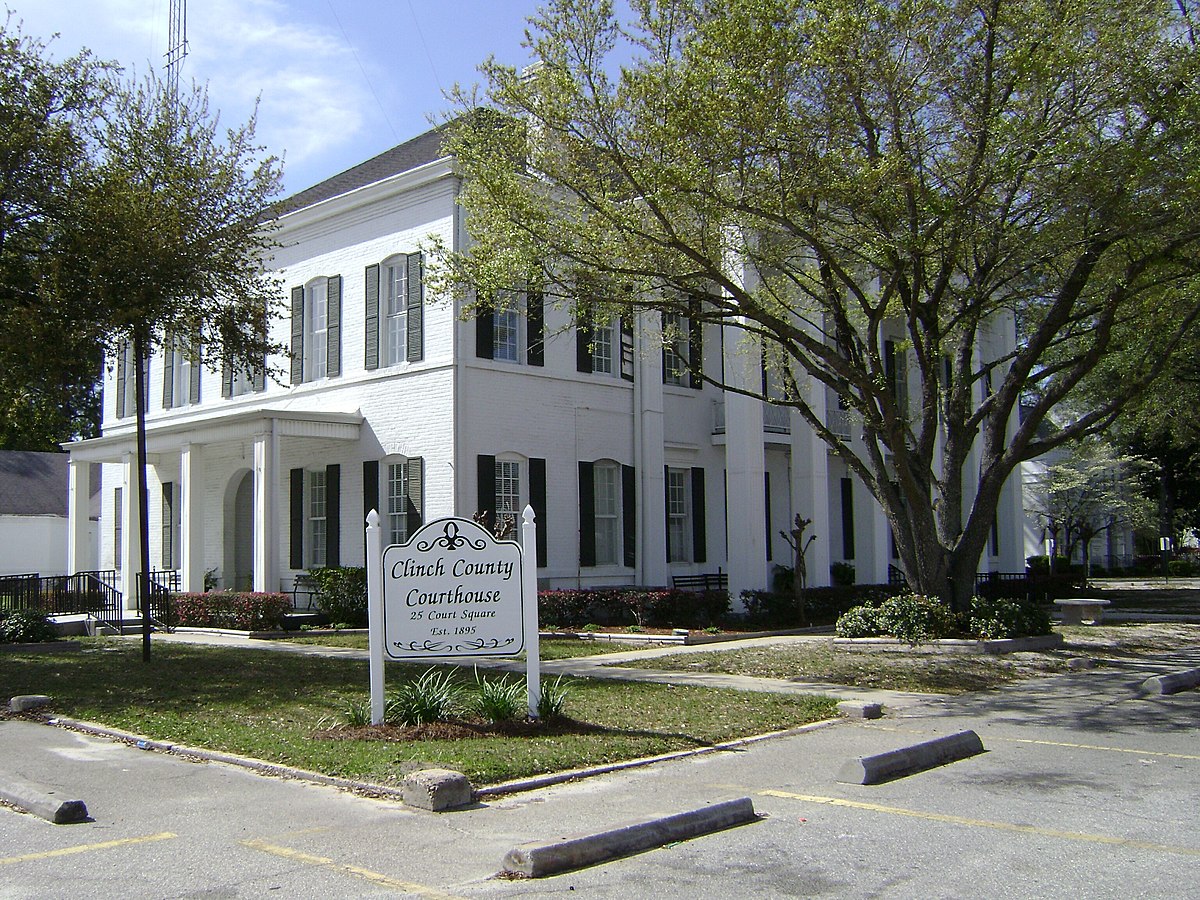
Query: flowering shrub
[[647, 607], [230, 609]]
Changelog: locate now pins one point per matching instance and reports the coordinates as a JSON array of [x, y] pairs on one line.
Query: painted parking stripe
[[365, 874], [984, 823], [87, 848], [993, 739]]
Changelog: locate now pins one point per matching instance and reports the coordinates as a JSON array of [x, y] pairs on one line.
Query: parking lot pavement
[[1083, 791]]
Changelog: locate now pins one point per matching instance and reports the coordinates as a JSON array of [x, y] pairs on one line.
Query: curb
[[1172, 683], [541, 858], [908, 760], [42, 802]]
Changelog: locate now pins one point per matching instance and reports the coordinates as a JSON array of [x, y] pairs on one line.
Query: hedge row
[[650, 608], [231, 609], [916, 619]]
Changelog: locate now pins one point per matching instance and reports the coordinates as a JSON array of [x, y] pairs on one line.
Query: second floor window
[[316, 331], [394, 281]]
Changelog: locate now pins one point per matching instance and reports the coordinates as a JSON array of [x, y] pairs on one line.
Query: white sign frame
[[432, 575]]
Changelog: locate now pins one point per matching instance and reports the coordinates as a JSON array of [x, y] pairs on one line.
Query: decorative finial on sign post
[[527, 515], [373, 519]]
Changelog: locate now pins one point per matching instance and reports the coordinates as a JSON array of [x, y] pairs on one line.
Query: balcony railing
[[776, 419]]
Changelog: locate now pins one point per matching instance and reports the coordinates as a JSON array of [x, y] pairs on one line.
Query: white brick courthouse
[[637, 471]]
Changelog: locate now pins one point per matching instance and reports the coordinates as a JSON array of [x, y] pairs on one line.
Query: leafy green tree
[[824, 177], [168, 242], [50, 365]]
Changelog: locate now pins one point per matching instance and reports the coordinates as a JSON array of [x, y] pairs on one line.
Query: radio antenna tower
[[177, 46]]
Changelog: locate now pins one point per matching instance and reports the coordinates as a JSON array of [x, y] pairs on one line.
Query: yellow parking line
[[984, 823], [1099, 747], [366, 874], [87, 848]]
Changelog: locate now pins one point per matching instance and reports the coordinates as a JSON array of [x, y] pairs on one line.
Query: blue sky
[[339, 81]]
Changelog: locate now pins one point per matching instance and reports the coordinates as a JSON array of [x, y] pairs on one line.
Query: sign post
[[452, 590]]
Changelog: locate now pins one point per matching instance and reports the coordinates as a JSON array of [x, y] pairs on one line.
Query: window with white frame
[[604, 348], [243, 382], [317, 517], [397, 502], [508, 488], [675, 348], [118, 526], [394, 283], [506, 325], [679, 515], [316, 329], [180, 374], [606, 481], [172, 521]]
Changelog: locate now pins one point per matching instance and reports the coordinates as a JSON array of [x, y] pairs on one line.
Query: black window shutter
[[297, 347], [485, 331], [122, 375], [629, 515], [371, 291], [627, 348], [416, 493], [194, 374], [537, 499], [667, 508], [333, 331], [333, 515], [583, 347], [535, 327], [847, 519], [695, 354], [699, 532], [414, 306], [168, 397], [226, 380], [485, 490], [371, 490], [296, 509], [587, 514], [767, 497]]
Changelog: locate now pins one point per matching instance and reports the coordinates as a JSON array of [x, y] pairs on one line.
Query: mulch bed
[[456, 730]]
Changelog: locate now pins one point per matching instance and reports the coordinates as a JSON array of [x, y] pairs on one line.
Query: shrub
[[498, 700], [915, 618], [230, 609], [552, 700], [822, 605], [1006, 618], [1182, 568], [841, 573], [433, 697], [341, 593], [24, 626], [859, 621], [566, 609]]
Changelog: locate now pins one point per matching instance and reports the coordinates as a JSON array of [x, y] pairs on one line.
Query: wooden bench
[[709, 581], [1073, 609]]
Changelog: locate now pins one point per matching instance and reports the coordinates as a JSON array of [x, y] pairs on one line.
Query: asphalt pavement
[[1085, 789]]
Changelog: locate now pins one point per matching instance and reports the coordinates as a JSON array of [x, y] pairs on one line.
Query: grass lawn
[[267, 705], [816, 660], [548, 648]]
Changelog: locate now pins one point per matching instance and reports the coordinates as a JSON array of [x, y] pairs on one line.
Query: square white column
[[130, 532], [266, 517], [80, 555], [191, 537]]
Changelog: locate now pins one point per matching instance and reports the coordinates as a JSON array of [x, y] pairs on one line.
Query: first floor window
[[118, 525], [171, 522], [607, 492], [317, 517], [508, 488], [397, 502], [679, 534]]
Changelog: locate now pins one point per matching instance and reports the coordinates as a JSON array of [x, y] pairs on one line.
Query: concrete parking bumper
[[907, 760], [1172, 683], [42, 801]]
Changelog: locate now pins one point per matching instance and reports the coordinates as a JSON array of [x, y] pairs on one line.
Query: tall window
[[180, 373], [607, 489], [317, 517], [316, 329], [118, 526], [679, 532], [603, 349], [506, 322], [171, 522], [394, 282], [675, 348], [243, 382], [397, 502], [508, 488]]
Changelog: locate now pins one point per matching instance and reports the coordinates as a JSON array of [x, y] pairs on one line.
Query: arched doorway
[[239, 535]]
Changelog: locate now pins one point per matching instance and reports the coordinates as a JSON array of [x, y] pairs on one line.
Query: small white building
[[637, 471], [33, 515]]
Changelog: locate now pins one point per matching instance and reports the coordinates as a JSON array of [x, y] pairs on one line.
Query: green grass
[[267, 705], [898, 671], [548, 648]]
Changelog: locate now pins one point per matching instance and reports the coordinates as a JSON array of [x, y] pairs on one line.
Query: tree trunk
[[143, 581]]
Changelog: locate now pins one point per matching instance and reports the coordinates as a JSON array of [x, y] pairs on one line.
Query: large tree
[[168, 244], [51, 366], [828, 175]]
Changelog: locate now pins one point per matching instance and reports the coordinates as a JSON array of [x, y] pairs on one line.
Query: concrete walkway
[[607, 665]]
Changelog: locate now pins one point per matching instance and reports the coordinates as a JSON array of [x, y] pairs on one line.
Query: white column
[[652, 510], [130, 531], [191, 489], [745, 465], [266, 532], [79, 545], [810, 496]]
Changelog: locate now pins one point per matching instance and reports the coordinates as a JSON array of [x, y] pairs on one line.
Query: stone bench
[[1073, 609]]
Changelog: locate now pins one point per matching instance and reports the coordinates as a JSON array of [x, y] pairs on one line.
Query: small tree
[[167, 244]]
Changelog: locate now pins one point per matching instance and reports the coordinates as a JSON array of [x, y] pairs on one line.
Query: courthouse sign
[[452, 589]]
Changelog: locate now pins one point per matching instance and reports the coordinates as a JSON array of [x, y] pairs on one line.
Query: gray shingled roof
[[33, 484], [419, 151]]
